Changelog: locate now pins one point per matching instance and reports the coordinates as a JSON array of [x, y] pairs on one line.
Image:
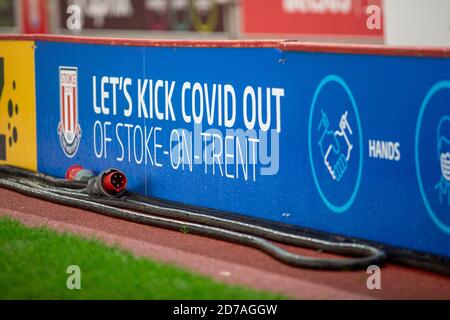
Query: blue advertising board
[[348, 144]]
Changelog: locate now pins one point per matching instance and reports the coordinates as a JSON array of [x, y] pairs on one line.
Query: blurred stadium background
[[392, 22]]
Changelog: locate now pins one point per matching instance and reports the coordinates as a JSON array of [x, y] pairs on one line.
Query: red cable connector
[[76, 172], [72, 172], [114, 182], [109, 183]]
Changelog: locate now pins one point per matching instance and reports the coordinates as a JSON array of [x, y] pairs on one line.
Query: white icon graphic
[[335, 146], [443, 149]]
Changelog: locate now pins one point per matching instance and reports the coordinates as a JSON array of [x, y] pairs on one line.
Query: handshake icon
[[335, 146], [443, 153]]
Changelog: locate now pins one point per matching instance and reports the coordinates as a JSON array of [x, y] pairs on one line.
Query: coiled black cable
[[158, 213]]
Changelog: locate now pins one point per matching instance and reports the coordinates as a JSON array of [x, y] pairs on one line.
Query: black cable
[[185, 215], [56, 182], [152, 206], [63, 192]]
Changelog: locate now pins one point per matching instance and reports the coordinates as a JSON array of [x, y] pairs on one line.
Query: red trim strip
[[366, 49], [285, 45], [149, 43]]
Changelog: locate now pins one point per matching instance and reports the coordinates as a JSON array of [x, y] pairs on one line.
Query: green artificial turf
[[34, 262]]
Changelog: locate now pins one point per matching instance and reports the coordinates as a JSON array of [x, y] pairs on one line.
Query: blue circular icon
[[335, 144], [432, 154]]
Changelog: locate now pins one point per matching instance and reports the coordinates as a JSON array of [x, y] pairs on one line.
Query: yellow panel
[[17, 104]]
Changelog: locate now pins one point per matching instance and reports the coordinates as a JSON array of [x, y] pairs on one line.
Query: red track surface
[[224, 261]]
